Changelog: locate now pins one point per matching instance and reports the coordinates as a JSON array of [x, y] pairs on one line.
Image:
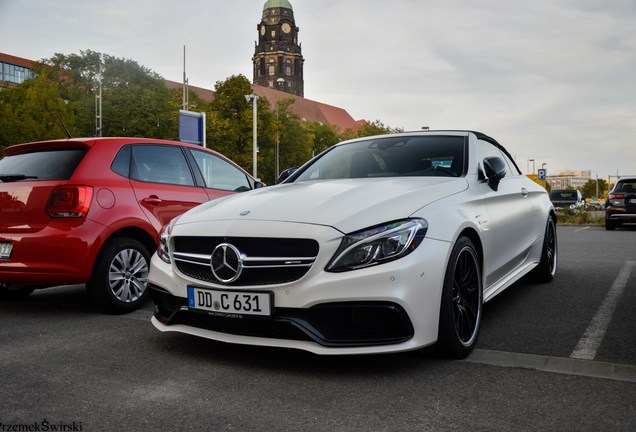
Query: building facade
[[278, 60], [14, 70], [569, 179]]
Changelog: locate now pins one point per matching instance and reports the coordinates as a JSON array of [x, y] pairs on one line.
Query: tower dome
[[269, 4]]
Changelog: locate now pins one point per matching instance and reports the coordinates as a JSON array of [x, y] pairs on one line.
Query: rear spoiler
[[46, 145]]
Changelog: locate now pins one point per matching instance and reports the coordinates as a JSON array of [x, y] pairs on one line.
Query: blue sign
[[543, 173], [192, 127]]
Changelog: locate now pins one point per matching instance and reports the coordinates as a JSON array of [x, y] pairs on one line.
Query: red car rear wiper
[[5, 178]]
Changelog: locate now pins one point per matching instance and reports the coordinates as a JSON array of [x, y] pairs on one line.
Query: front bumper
[[344, 324], [386, 308]]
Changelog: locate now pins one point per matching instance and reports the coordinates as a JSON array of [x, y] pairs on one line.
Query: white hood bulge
[[346, 205]]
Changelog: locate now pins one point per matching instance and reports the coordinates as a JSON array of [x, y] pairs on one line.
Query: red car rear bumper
[[63, 252]]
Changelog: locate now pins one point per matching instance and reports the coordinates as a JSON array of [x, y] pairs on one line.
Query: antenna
[[64, 126], [98, 100]]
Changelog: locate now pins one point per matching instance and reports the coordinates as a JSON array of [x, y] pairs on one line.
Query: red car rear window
[[41, 165]]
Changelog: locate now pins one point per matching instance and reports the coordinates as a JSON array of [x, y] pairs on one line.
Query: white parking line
[[590, 342], [582, 229]]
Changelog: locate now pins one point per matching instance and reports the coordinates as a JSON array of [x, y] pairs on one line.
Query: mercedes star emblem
[[226, 263]]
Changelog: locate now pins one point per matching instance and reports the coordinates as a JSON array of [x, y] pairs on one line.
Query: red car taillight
[[70, 201]]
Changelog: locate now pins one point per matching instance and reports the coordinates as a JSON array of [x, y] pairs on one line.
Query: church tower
[[278, 60]]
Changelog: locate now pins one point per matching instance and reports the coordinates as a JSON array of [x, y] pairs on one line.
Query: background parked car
[[89, 211], [620, 206], [567, 198]]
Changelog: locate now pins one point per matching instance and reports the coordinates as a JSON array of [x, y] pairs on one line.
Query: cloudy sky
[[553, 80]]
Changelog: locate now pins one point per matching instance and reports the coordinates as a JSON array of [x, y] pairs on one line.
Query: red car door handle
[[153, 200]]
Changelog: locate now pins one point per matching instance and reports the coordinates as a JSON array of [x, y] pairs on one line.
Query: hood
[[347, 205]]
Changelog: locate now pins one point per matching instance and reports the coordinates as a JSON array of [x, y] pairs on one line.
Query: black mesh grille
[[242, 327], [251, 247]]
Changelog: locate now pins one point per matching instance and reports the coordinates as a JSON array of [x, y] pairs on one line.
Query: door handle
[[153, 200], [524, 192]]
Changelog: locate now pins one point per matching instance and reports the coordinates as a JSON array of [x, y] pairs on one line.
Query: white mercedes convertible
[[380, 244]]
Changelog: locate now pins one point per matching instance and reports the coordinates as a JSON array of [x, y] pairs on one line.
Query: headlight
[[163, 250], [378, 245]]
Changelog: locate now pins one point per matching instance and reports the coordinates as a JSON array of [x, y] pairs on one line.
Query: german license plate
[[230, 302], [5, 249], [632, 201]]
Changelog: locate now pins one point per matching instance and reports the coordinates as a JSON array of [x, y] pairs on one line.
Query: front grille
[[265, 261]]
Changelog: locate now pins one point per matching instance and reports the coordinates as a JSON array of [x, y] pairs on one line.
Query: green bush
[[579, 217]]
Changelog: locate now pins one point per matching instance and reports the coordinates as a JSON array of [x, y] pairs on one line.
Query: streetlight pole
[[528, 166], [277, 146], [254, 100]]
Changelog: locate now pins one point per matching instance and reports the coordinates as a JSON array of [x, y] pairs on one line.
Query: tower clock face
[[262, 30], [286, 28]]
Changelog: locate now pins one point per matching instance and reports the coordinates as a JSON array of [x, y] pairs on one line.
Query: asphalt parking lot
[[554, 357]]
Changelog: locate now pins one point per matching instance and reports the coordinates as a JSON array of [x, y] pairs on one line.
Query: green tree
[[321, 136], [589, 188], [135, 100], [295, 145], [29, 112], [230, 123], [368, 129]]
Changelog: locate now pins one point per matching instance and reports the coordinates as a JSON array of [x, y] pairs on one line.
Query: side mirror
[[495, 168], [258, 184], [285, 174]]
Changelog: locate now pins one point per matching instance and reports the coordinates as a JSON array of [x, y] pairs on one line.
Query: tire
[[545, 271], [461, 302], [14, 292], [119, 283], [609, 226]]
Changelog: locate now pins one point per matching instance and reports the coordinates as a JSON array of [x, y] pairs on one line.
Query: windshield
[[441, 156], [43, 165], [563, 196]]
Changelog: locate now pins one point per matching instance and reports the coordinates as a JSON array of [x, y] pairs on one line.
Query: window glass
[[404, 156], [43, 165], [161, 164], [220, 174], [512, 168], [487, 149], [626, 186], [16, 74], [564, 195], [121, 163]]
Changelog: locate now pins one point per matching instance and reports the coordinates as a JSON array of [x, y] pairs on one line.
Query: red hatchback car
[[89, 211]]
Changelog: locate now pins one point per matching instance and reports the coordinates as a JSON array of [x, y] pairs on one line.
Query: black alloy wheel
[[547, 267], [462, 301]]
